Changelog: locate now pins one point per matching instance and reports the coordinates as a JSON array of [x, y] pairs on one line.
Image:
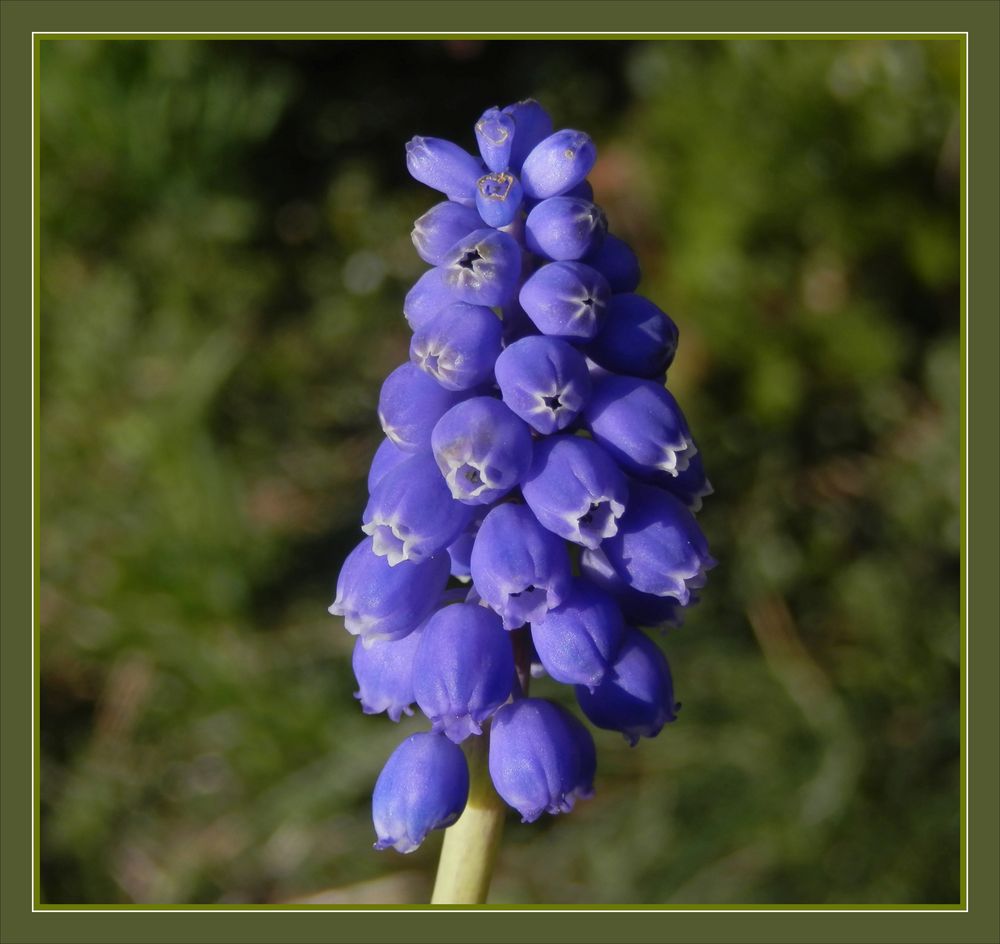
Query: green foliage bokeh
[[225, 248]]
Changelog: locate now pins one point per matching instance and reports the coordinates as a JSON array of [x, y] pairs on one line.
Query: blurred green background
[[225, 249]]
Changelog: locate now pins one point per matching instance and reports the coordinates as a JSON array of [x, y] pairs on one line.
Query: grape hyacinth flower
[[637, 697], [563, 228], [536, 762], [409, 516], [381, 601], [463, 669], [566, 300], [659, 548], [575, 490], [384, 671], [423, 786], [519, 569], [443, 225], [387, 456], [577, 640], [615, 260], [410, 404], [691, 486], [482, 449], [544, 381], [458, 346], [483, 268], [637, 338], [640, 425], [532, 505]]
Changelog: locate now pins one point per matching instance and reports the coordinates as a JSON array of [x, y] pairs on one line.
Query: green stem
[[470, 846]]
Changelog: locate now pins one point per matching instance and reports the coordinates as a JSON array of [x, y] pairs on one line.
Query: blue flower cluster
[[533, 450]]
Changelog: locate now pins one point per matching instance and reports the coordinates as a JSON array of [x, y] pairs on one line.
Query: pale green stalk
[[470, 846]]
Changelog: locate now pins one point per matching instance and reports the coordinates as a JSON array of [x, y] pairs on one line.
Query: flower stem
[[470, 846]]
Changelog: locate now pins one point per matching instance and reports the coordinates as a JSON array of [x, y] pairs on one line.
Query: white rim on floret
[[703, 492], [569, 400], [392, 433], [418, 235], [541, 598], [455, 467], [583, 319], [475, 268], [684, 583], [392, 540], [585, 313], [677, 456], [441, 363], [605, 510], [356, 623]]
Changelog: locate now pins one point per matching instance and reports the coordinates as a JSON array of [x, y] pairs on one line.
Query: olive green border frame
[[975, 23]]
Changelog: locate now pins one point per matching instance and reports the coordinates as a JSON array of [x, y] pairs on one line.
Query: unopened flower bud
[[615, 260], [444, 166], [498, 198], [532, 124], [495, 135], [577, 640], [428, 295], [558, 164], [565, 228]]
